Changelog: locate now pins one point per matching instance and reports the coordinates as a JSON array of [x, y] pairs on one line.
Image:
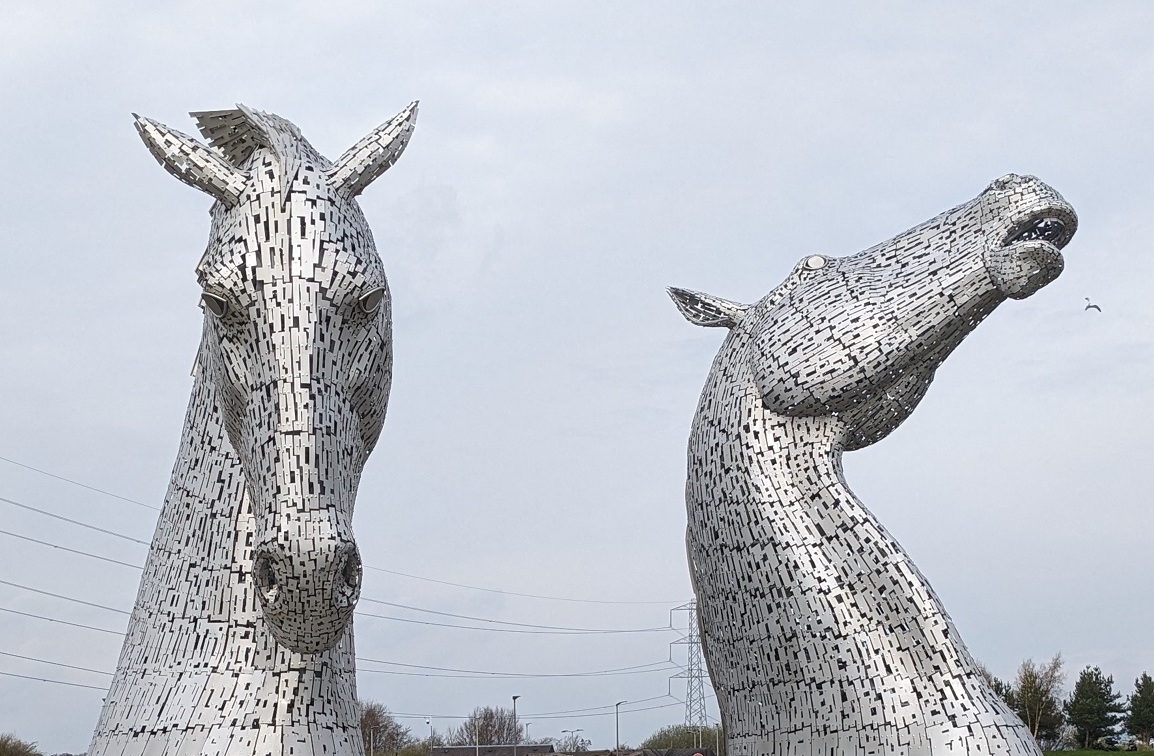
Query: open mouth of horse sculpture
[[820, 634]]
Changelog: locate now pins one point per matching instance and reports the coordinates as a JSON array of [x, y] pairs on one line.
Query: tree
[[1094, 708], [1140, 717], [487, 725], [685, 736], [424, 746], [10, 745], [1036, 699], [381, 730], [570, 743]]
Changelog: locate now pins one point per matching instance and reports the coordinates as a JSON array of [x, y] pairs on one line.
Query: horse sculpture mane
[[240, 641], [820, 634]]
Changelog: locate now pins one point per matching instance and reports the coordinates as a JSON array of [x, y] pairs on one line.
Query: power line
[[473, 673], [66, 598], [535, 629], [553, 714], [58, 682], [74, 522], [402, 715], [74, 551], [572, 631], [78, 483], [56, 664], [513, 593], [518, 624], [367, 566], [562, 715], [60, 621], [610, 706], [442, 675], [470, 674]]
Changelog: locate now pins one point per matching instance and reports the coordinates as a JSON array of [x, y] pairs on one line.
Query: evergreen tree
[[1140, 718], [1094, 709]]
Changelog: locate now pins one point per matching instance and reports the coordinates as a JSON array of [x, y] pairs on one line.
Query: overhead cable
[[58, 682], [514, 593], [74, 522], [504, 622], [535, 629], [466, 674], [62, 622], [65, 598], [367, 566], [55, 664], [74, 551], [78, 483]]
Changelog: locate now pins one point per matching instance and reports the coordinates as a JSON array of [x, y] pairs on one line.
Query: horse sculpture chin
[[820, 634], [241, 639]]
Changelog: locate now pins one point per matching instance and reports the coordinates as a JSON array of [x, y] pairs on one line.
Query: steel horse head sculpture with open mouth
[[240, 641], [820, 634]]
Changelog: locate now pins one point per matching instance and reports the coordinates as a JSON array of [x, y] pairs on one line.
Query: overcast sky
[[570, 161]]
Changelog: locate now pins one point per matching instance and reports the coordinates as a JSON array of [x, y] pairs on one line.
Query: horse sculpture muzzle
[[308, 586]]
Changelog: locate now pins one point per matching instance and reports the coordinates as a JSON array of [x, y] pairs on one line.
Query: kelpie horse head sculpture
[[820, 634], [297, 343]]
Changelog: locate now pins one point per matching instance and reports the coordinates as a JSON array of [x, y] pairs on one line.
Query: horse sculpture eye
[[215, 304], [815, 262], [371, 301]]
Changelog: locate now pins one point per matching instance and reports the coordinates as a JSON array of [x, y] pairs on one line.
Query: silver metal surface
[[820, 634], [241, 638]]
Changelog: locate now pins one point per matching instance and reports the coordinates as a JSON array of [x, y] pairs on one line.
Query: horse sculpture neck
[[199, 672], [811, 596]]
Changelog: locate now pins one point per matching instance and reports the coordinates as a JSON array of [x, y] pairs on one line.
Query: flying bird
[[1091, 306]]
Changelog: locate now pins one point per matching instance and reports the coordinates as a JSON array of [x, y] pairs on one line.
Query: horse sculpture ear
[[707, 310], [190, 161], [374, 154]]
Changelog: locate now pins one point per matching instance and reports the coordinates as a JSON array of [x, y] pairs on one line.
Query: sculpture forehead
[[295, 229]]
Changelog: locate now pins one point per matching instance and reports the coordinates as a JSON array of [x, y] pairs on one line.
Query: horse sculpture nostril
[[351, 570], [265, 578]]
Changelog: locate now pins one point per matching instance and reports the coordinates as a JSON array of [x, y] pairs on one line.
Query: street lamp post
[[574, 734], [373, 739], [516, 730], [527, 740], [617, 722]]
